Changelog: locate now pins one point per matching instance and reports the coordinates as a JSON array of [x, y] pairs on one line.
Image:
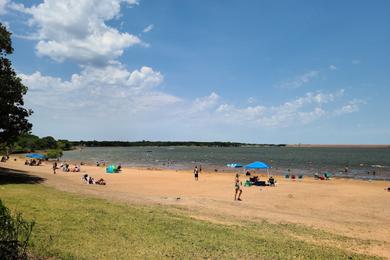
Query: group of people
[[33, 162], [77, 168], [89, 180], [65, 167]]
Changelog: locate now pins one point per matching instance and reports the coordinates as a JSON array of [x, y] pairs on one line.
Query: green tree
[[48, 142], [27, 142], [53, 153], [13, 116], [64, 144]]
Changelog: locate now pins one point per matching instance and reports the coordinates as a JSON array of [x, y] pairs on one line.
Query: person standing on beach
[[196, 173], [237, 187], [54, 167]]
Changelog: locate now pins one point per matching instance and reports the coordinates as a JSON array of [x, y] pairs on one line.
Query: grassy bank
[[72, 226]]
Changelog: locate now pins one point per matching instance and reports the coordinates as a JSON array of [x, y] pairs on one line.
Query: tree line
[[29, 143], [95, 143], [26, 143]]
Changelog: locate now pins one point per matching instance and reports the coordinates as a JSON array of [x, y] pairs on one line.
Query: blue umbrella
[[35, 156], [258, 165]]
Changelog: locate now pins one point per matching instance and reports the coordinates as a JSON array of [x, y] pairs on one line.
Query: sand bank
[[356, 208]]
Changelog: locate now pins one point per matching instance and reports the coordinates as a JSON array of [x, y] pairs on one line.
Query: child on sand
[[237, 187]]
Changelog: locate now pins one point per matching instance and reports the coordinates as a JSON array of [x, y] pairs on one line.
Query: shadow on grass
[[9, 176]]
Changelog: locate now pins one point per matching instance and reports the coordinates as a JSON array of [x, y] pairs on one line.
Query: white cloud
[[204, 103], [99, 87], [332, 67], [307, 117], [77, 30], [251, 100], [112, 90], [105, 93], [148, 28], [299, 80], [145, 78], [237, 115], [303, 110], [355, 62], [109, 93], [350, 107], [3, 5]]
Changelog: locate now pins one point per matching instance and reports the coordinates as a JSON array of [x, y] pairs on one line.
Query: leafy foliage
[[30, 143], [64, 144], [14, 235], [13, 116], [48, 142], [53, 153]]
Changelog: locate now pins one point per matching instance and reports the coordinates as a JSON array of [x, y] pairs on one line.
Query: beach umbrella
[[35, 156], [257, 165]]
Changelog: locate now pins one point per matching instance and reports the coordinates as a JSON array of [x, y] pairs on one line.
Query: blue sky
[[249, 71]]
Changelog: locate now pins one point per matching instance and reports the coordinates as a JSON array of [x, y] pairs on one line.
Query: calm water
[[359, 161]]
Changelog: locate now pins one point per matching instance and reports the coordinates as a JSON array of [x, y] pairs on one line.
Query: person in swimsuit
[[196, 173], [237, 187]]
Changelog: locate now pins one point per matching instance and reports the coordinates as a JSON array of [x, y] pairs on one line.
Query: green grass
[[72, 226]]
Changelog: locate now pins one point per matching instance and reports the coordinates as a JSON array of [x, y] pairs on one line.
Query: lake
[[361, 162]]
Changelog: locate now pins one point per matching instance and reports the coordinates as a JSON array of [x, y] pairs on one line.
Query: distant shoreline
[[144, 143], [340, 145], [95, 143]]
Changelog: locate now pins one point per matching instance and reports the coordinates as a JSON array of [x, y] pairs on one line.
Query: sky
[[206, 70]]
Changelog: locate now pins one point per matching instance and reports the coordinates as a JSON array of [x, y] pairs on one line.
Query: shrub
[[14, 235], [53, 153]]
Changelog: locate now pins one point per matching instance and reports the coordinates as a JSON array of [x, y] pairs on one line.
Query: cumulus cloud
[[99, 86], [332, 67], [145, 78], [302, 110], [3, 5], [234, 115], [103, 93], [351, 107], [148, 28], [104, 89], [113, 90], [77, 30], [299, 81], [205, 103]]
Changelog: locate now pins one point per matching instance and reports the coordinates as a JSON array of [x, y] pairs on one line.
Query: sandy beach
[[355, 208]]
